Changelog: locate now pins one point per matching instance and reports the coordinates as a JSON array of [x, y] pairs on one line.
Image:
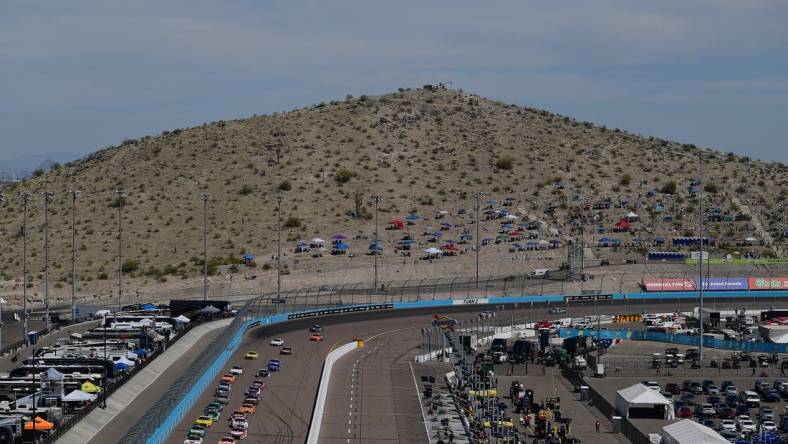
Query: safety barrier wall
[[209, 376], [322, 391]]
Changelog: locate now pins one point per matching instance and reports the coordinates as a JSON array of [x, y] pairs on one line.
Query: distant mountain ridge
[[22, 167]]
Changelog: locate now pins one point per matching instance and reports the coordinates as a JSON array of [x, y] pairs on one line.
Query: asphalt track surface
[[286, 403]]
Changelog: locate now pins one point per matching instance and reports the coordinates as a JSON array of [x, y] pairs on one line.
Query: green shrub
[[245, 190], [285, 186], [293, 222], [344, 175], [130, 266], [505, 163], [669, 188]]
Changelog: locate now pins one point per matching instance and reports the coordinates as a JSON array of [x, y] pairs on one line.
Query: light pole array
[[25, 196], [74, 197], [377, 200], [478, 196], [48, 195], [279, 198], [121, 195], [205, 198]]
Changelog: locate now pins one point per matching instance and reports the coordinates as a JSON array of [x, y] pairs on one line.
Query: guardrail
[[322, 391], [157, 423]]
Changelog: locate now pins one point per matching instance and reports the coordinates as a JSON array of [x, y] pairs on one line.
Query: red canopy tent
[[396, 224], [623, 225]]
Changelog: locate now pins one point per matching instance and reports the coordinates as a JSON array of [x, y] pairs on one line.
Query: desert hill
[[422, 150]]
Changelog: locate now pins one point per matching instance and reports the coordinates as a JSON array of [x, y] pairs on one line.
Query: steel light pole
[[74, 197], [25, 196], [205, 198], [700, 257], [48, 195], [377, 200], [3, 199], [279, 198], [121, 195], [478, 196]]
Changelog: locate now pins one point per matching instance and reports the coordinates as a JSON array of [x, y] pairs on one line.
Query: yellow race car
[[206, 421], [252, 355]]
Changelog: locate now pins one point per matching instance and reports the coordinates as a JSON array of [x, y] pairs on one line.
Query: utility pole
[[478, 196], [3, 199], [205, 198], [700, 257], [121, 196], [26, 196], [375, 246], [279, 198], [47, 199], [74, 197]]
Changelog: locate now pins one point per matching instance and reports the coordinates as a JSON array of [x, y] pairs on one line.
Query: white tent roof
[[125, 361], [511, 217], [639, 395], [78, 396], [750, 239], [182, 318], [690, 432], [631, 214], [432, 250], [317, 240], [146, 322]]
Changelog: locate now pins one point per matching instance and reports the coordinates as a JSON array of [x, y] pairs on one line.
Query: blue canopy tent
[[340, 248], [487, 240], [446, 226], [246, 258], [490, 202], [412, 218], [148, 307], [659, 240], [375, 247], [119, 366], [465, 237]]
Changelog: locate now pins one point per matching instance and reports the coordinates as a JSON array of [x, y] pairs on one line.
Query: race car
[[286, 351], [317, 328], [277, 342], [237, 370], [316, 338], [248, 408], [197, 431], [203, 420], [238, 433], [274, 365], [239, 424], [227, 440], [252, 355], [192, 441], [228, 378]]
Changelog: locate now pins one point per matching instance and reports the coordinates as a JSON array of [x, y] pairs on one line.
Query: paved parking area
[[608, 387]]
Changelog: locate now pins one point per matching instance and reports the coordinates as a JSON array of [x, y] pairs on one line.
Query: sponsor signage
[[773, 283], [588, 297], [717, 283], [669, 284], [470, 301], [277, 301], [340, 310]]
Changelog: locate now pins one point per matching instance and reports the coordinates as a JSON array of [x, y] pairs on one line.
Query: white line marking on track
[[418, 396]]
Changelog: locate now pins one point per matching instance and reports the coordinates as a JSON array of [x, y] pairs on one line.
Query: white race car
[[277, 342]]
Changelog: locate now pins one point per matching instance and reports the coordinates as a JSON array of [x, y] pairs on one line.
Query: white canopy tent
[[641, 397], [182, 319], [78, 396], [688, 431], [317, 242], [146, 322], [631, 216], [432, 251], [125, 361]]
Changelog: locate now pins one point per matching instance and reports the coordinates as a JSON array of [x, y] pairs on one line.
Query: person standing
[[597, 424]]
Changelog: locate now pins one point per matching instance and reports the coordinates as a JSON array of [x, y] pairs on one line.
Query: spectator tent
[[640, 401], [688, 431]]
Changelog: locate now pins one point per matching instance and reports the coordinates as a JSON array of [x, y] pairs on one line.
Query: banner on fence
[[772, 283], [669, 284], [724, 283]]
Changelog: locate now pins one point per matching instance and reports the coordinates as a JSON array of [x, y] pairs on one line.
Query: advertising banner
[[722, 284], [773, 283], [669, 284]]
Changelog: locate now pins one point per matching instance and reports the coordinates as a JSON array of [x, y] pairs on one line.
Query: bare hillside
[[422, 150]]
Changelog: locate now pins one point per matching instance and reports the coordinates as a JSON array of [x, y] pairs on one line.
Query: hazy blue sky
[[78, 75]]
